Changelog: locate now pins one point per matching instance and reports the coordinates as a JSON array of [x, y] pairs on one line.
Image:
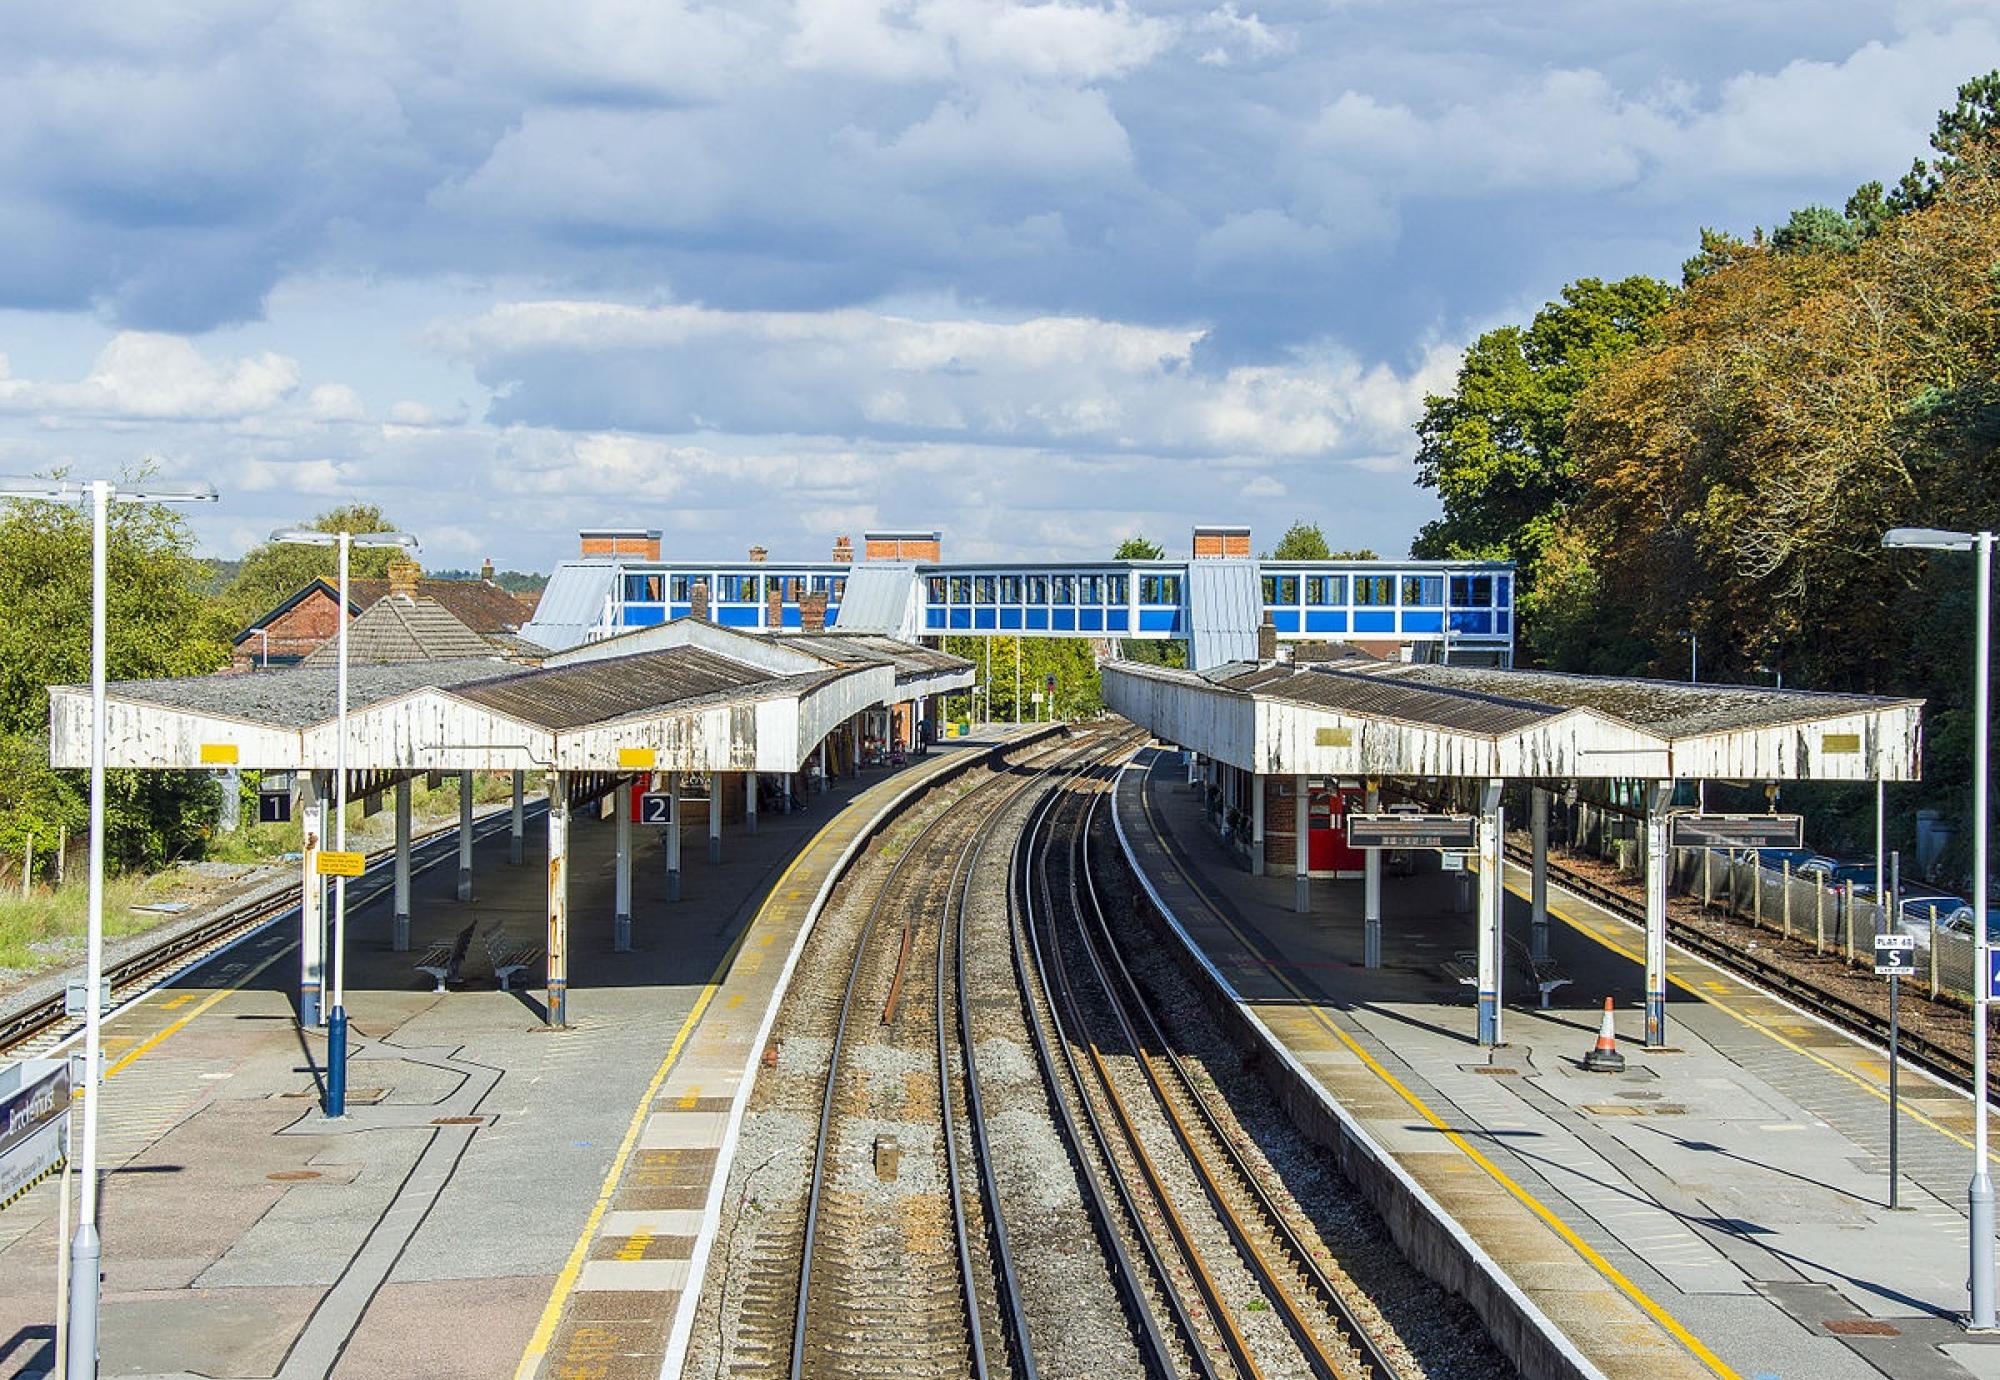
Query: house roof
[[399, 629], [481, 606]]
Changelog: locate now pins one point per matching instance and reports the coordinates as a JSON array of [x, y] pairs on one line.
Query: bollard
[[28, 867], [1707, 879]]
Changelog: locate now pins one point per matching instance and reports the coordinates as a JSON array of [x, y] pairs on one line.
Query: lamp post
[[1980, 1194], [336, 1021], [86, 1250]]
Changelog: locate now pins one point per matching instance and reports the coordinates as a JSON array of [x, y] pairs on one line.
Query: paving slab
[[1718, 1209]]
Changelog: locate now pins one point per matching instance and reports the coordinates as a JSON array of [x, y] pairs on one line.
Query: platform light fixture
[[86, 1248], [336, 1021], [1980, 1194]]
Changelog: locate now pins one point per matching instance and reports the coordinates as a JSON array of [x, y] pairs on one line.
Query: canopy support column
[[1538, 876], [465, 836], [673, 836], [558, 936], [1257, 784], [312, 897], [1492, 902], [1658, 795], [400, 923], [715, 817], [621, 915], [1371, 893], [1301, 854], [514, 835]]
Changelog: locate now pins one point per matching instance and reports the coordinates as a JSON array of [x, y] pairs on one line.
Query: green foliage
[[1138, 549], [1303, 541], [1719, 250], [513, 581], [1817, 229], [1354, 553], [36, 801], [1495, 447], [273, 572], [1969, 123], [1070, 660]]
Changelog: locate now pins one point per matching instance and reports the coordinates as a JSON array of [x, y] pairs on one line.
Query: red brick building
[[291, 631]]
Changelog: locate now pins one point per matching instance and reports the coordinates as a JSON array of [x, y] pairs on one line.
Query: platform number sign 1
[[656, 807]]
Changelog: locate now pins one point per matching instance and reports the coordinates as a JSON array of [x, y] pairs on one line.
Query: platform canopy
[[1360, 718], [712, 701]]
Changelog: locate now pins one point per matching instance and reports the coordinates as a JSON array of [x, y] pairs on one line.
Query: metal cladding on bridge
[[1328, 730], [1215, 600]]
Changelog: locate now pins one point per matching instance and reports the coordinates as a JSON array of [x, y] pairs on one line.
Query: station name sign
[[1736, 831], [1412, 831]]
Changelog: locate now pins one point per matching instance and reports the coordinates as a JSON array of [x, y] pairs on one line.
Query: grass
[[47, 930]]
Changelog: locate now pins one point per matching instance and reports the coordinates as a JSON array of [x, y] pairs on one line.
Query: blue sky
[[1040, 275]]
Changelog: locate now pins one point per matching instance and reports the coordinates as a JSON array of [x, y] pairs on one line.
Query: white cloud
[[159, 377]]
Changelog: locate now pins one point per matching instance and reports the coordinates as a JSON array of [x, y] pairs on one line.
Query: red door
[[1327, 853]]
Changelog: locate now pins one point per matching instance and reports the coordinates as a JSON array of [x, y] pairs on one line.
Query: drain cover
[[1860, 1327]]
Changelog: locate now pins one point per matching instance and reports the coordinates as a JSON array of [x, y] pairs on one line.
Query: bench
[[508, 957], [1545, 973], [442, 961], [1463, 968]]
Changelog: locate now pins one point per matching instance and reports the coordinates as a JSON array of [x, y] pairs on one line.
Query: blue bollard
[[336, 1063]]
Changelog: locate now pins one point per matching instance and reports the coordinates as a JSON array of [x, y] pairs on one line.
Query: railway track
[[1211, 1275], [35, 1028], [1798, 988]]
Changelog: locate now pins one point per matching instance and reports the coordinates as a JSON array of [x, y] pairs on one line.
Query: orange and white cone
[[1605, 1058]]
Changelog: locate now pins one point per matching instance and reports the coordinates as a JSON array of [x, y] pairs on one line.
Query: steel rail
[[817, 1182], [1133, 999], [1157, 1352], [187, 950]]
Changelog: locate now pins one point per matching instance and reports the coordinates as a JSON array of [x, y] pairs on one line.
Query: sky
[[1040, 276]]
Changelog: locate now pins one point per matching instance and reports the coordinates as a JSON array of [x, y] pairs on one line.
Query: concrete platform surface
[[246, 1236], [1717, 1209]]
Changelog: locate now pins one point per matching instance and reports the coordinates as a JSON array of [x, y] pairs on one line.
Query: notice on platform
[[333, 864]]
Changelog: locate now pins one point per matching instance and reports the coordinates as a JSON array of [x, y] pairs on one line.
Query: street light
[[1980, 1194], [336, 1021], [86, 1250]]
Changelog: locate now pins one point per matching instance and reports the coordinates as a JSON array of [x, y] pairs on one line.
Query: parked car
[[1954, 914], [1776, 858], [1816, 864]]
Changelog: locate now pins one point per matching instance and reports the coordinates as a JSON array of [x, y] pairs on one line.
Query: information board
[[1736, 831], [336, 864], [1895, 955], [1412, 831]]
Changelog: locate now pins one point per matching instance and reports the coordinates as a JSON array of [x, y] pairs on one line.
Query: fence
[[1830, 918]]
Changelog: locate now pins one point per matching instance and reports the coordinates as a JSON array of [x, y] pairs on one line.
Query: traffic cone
[[1605, 1058]]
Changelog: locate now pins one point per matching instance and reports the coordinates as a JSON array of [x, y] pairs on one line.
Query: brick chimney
[[843, 550], [758, 555], [1267, 640], [1215, 543], [812, 611], [774, 604], [486, 570], [698, 600], [403, 577]]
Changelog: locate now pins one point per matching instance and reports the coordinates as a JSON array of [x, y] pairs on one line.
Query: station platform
[[1718, 1209], [425, 1234]]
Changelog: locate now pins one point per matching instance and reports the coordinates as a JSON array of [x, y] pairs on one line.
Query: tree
[[275, 571], [1494, 447], [1967, 124], [1816, 229], [1355, 553], [1303, 541], [1138, 549]]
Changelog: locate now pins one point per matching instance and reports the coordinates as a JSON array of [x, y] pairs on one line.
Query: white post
[[339, 1001], [86, 1251], [1881, 877], [715, 817], [1538, 876], [1980, 1194], [1492, 897], [465, 836], [824, 783], [558, 899], [515, 838], [1371, 892], [312, 896], [751, 782], [1256, 825], [621, 918], [673, 836], [1301, 850], [1658, 864], [401, 923]]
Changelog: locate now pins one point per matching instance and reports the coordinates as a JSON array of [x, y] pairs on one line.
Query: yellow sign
[[637, 759], [332, 864], [218, 754], [1333, 737], [1840, 742]]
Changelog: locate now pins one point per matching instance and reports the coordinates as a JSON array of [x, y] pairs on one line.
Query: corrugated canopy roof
[[618, 687], [859, 649]]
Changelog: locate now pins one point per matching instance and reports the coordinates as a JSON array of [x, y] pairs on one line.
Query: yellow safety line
[[545, 1329], [1583, 1248], [160, 1037], [1591, 932]]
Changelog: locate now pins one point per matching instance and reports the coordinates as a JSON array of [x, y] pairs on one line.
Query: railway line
[[36, 1027]]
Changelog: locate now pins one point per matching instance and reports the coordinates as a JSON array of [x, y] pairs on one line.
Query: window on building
[[1374, 591], [935, 589], [1288, 589], [1114, 589], [1159, 589], [1423, 591], [642, 589], [1089, 589], [680, 588], [1471, 591], [739, 589], [1010, 589], [961, 589], [982, 589], [1064, 589], [1323, 590], [1038, 589], [1270, 589]]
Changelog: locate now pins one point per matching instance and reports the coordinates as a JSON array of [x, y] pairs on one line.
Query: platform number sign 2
[[656, 807]]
